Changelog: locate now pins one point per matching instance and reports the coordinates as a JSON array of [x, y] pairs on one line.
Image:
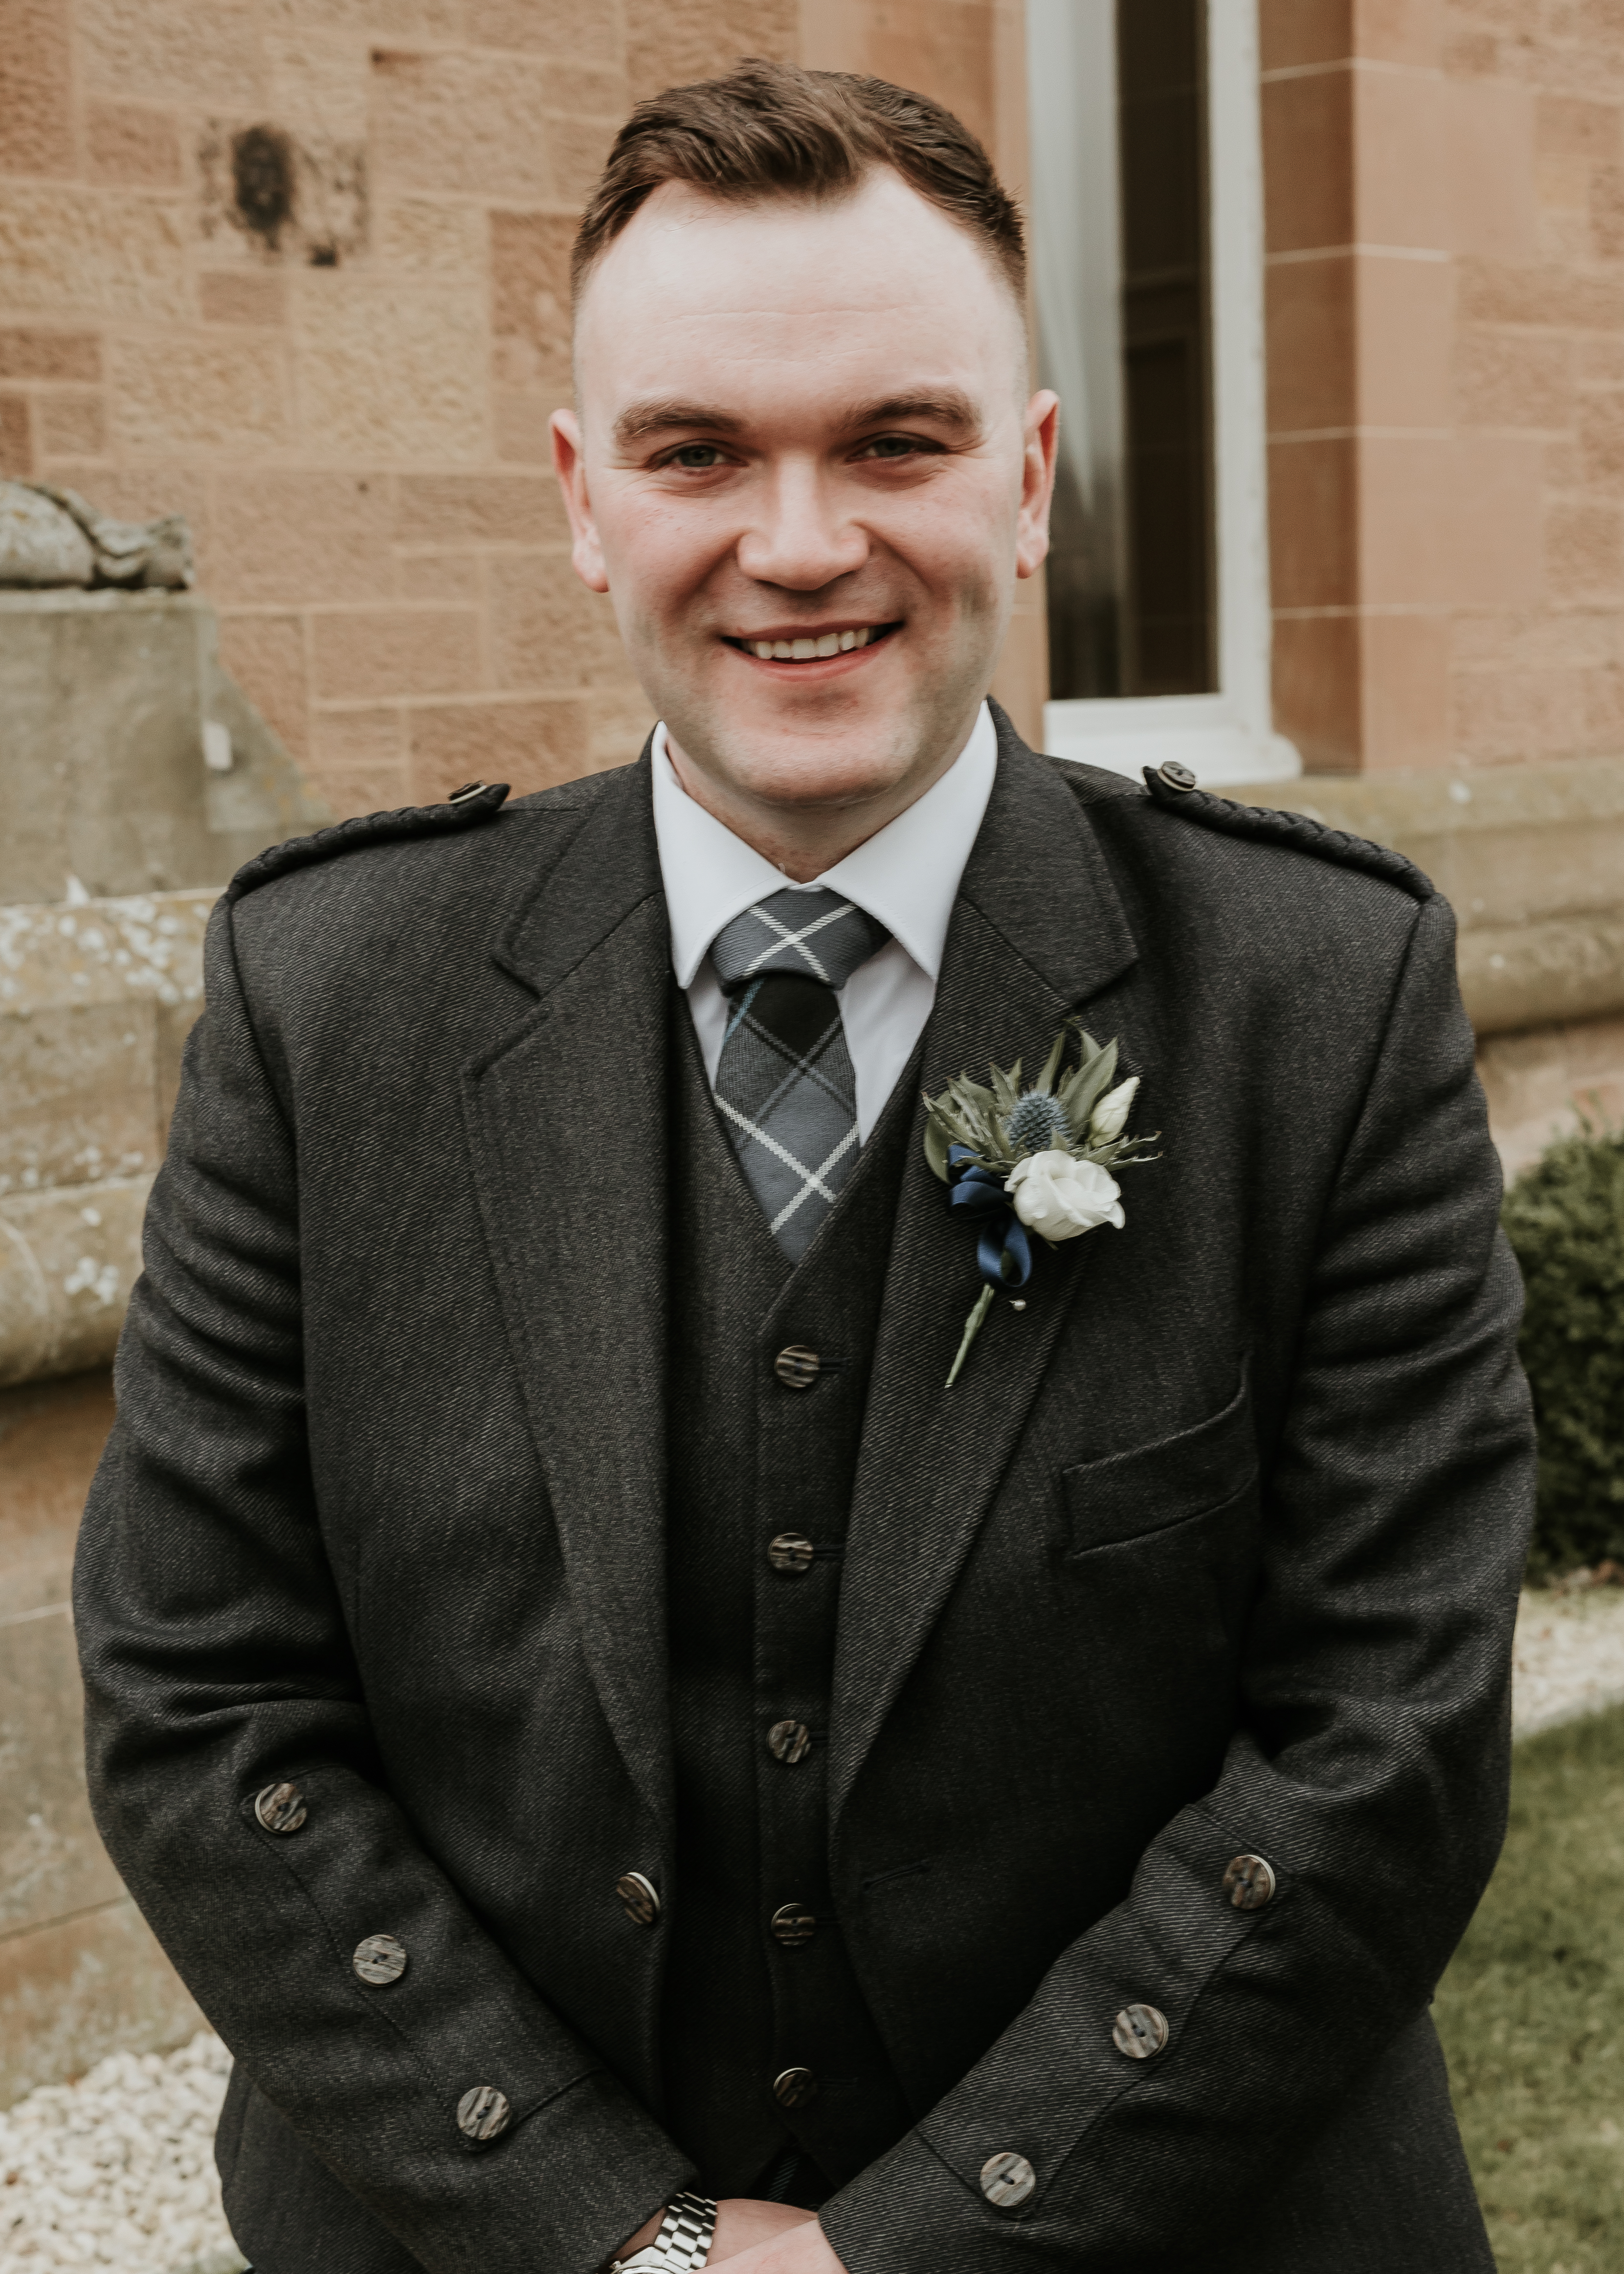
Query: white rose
[[1058, 1197], [1111, 1113]]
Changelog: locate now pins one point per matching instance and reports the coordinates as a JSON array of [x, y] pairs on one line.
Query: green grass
[[1531, 2012]]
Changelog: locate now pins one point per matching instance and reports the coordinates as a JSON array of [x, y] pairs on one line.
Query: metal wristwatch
[[682, 2245]]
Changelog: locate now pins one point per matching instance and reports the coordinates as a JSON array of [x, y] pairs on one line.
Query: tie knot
[[819, 934]]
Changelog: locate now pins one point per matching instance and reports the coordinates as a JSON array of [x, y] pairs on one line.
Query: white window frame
[[1228, 737]]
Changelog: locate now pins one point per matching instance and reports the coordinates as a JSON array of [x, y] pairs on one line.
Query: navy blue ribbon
[[1003, 1250]]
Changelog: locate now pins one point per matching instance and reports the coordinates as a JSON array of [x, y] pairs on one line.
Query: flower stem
[[973, 1326]]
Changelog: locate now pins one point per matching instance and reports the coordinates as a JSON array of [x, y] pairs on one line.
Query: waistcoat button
[[482, 2111], [639, 1898], [796, 1367], [380, 1959], [1139, 2031], [793, 1924], [789, 1742], [789, 1552], [1007, 2180], [1248, 1883], [793, 2087], [280, 1808]]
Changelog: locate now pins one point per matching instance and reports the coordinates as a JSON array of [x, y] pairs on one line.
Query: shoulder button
[[468, 789], [1177, 775]]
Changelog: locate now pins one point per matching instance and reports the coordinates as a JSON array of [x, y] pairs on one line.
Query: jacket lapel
[[1037, 930], [565, 1119]]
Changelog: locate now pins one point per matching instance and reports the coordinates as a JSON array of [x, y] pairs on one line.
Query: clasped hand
[[760, 2237], [766, 2238]]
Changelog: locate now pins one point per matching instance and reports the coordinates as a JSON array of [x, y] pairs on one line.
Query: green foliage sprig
[[978, 1114]]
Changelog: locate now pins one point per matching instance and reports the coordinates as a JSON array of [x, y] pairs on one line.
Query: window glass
[[1120, 272]]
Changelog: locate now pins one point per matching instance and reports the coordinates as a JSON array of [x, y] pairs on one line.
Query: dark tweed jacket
[[1214, 1548]]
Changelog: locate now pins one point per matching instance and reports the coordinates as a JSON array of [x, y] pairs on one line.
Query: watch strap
[[682, 2245]]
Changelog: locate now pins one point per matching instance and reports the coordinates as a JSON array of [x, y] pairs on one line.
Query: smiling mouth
[[815, 647]]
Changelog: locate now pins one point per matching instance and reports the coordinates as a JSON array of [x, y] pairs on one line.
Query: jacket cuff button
[[1007, 2180], [482, 2111], [280, 1808], [1248, 1883], [1140, 2031]]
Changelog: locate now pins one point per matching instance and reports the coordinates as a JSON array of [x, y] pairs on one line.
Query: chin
[[790, 765]]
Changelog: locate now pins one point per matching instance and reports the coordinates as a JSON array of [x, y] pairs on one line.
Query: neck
[[804, 841]]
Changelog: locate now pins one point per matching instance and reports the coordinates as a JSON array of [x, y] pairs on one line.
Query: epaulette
[[465, 809], [1173, 786]]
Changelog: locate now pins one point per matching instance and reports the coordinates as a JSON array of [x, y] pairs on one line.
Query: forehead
[[788, 302]]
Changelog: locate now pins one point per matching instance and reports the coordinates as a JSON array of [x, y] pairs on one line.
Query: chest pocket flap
[[1134, 1494]]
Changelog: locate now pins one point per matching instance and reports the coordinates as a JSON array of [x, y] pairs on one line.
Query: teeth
[[803, 651]]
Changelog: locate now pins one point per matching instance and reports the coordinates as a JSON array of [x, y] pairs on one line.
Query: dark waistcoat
[[753, 1993]]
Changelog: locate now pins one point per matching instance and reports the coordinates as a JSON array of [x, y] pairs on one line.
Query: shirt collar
[[906, 876]]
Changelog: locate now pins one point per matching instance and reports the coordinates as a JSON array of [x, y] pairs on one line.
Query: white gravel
[[118, 2170], [1568, 1657]]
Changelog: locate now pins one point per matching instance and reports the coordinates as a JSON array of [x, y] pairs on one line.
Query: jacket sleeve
[[1371, 1769], [216, 1662]]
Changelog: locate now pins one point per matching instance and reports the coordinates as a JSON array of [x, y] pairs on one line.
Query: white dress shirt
[[906, 876]]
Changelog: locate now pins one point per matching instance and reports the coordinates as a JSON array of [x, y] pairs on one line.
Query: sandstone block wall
[[300, 273], [1445, 218]]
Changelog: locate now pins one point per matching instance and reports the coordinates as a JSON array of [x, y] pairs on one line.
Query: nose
[[801, 537]]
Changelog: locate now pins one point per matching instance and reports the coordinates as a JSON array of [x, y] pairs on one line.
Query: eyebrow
[[639, 420], [952, 408]]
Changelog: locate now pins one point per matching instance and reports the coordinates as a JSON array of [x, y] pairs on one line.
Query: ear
[[1040, 440], [569, 464]]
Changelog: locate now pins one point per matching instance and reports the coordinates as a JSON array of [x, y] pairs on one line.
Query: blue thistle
[[1037, 1123]]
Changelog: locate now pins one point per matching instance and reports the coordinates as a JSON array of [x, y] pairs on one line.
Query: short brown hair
[[769, 130]]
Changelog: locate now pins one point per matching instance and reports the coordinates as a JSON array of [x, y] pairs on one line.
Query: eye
[[695, 457], [894, 445]]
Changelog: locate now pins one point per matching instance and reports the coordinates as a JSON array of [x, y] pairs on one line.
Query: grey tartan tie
[[784, 1082]]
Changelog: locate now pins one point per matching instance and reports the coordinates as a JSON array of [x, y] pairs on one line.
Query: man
[[600, 1725]]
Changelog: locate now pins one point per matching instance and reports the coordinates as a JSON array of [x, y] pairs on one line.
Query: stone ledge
[[81, 1988], [1538, 974], [1531, 858], [68, 1260], [96, 1000]]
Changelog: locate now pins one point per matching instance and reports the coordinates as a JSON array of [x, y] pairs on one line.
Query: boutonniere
[[1018, 1161]]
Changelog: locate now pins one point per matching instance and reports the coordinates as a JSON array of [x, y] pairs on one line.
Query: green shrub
[[1565, 1218]]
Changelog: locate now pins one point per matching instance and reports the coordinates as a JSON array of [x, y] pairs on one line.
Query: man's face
[[803, 430]]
